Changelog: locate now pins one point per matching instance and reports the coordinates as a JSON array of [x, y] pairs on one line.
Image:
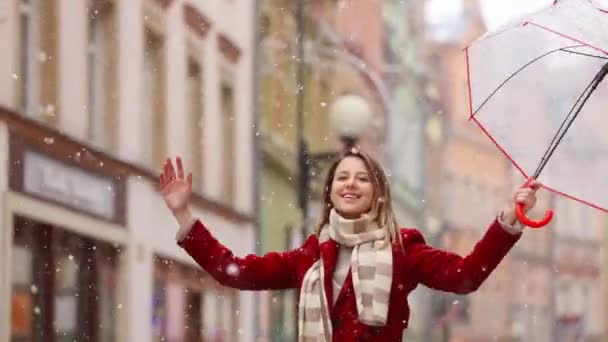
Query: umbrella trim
[[568, 37], [471, 114], [523, 173], [485, 131], [576, 199]]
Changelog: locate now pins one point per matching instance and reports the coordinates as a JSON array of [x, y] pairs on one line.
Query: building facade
[[542, 291], [94, 96], [339, 57], [404, 68]]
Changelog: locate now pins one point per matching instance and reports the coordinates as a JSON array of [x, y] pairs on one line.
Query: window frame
[[229, 142]]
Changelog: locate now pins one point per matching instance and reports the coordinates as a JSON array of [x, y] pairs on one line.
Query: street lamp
[[350, 115]]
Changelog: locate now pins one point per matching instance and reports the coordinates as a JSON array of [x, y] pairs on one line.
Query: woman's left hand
[[525, 195]]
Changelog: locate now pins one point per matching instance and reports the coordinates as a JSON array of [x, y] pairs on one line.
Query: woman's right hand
[[176, 190]]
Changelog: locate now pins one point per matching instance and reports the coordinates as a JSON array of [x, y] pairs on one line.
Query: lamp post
[[350, 114]]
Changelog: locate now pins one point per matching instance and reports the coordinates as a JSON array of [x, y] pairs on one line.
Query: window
[[574, 219], [561, 224], [229, 134], [22, 315], [283, 306], [28, 37], [102, 78], [189, 306], [194, 314], [219, 315], [153, 133], [63, 286], [194, 108], [37, 92], [210, 322]]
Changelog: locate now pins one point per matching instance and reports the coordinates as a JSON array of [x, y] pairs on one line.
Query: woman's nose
[[350, 183]]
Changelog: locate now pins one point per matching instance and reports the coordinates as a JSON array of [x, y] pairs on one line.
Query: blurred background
[[257, 97]]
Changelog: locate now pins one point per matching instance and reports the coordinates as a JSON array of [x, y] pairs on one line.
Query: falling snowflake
[[232, 270]]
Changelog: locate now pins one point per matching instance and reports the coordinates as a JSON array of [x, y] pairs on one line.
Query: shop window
[[63, 286], [190, 306]]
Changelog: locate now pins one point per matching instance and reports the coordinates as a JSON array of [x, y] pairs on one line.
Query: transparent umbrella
[[535, 89]]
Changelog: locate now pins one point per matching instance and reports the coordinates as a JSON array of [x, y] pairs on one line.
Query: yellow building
[[330, 70]]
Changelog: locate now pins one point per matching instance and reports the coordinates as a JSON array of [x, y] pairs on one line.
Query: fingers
[[167, 170], [532, 184], [180, 168], [525, 196], [170, 169], [165, 176], [189, 180], [169, 173], [525, 193]]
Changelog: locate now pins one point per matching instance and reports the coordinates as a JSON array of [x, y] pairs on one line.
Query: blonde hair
[[381, 202]]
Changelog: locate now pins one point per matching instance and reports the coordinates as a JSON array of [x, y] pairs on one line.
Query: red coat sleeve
[[449, 272], [272, 271]]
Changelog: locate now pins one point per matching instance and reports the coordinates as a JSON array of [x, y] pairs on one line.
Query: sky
[[495, 12]]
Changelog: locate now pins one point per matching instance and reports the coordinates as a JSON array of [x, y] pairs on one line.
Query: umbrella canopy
[[536, 90]]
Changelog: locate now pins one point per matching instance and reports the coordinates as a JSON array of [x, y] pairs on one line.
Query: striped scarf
[[372, 274]]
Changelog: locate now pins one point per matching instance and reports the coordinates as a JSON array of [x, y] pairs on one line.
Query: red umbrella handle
[[521, 216]]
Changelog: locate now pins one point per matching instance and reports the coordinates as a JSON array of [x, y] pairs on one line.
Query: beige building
[[93, 96]]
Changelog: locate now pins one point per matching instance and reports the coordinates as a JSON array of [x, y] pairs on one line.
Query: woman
[[355, 272]]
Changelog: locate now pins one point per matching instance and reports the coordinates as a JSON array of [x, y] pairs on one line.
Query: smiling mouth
[[350, 196]]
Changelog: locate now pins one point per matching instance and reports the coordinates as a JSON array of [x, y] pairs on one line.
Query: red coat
[[417, 263]]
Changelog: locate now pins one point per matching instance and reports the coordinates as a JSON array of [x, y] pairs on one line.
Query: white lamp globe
[[350, 115]]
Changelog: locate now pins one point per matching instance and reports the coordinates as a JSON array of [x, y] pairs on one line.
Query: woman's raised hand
[[525, 195], [176, 189]]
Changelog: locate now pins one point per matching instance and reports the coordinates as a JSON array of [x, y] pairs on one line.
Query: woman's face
[[352, 191]]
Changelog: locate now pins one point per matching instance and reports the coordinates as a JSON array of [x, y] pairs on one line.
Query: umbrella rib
[[517, 72], [599, 77], [578, 100], [559, 135], [586, 54]]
